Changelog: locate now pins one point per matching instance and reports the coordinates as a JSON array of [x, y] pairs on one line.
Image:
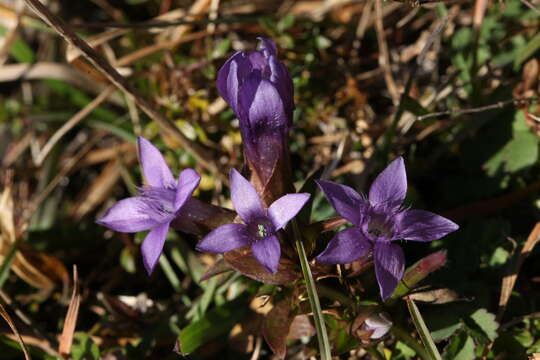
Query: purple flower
[[260, 224], [159, 203], [259, 89], [378, 221]]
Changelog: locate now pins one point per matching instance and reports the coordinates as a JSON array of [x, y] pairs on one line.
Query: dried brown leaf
[[276, 327], [66, 339], [509, 280]]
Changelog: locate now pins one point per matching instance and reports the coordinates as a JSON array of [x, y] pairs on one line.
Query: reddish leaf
[[276, 327], [243, 261]]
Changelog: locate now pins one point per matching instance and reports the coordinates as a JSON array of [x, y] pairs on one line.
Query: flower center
[[378, 227], [159, 200], [260, 228]]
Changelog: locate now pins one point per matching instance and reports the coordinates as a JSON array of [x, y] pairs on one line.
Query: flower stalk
[[322, 335]]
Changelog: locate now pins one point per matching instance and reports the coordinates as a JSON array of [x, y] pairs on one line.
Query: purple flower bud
[[378, 325], [259, 89]]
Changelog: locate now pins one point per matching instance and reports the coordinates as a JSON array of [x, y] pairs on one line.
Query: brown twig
[[384, 57], [509, 280], [492, 205], [498, 105], [201, 154], [11, 324]]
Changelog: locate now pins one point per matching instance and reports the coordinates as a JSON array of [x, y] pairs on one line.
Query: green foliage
[[84, 348], [460, 348], [215, 323], [520, 152]]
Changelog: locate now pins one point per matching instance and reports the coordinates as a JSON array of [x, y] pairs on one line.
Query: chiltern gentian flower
[[260, 224], [378, 221], [259, 89], [159, 203]]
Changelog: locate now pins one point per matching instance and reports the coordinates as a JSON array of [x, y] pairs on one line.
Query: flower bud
[[377, 325], [259, 89]]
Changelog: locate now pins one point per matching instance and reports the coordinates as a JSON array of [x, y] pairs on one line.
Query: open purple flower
[[159, 203], [260, 224], [259, 89], [378, 221]]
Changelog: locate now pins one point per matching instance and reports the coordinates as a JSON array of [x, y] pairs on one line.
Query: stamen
[[260, 228]]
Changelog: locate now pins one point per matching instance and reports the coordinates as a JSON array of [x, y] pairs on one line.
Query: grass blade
[[423, 331], [322, 335]]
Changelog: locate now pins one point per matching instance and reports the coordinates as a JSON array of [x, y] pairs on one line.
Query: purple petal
[[188, 180], [231, 76], [267, 252], [285, 208], [225, 238], [128, 215], [347, 202], [267, 46], [152, 246], [281, 78], [389, 266], [345, 247], [257, 60], [154, 167], [420, 225], [262, 103], [390, 187], [245, 199]]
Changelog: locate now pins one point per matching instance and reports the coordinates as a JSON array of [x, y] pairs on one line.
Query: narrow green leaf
[[413, 106], [215, 323], [6, 264], [170, 273], [423, 331], [322, 335], [532, 46]]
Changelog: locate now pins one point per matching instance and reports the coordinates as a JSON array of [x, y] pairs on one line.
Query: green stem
[[335, 295], [411, 342], [322, 335]]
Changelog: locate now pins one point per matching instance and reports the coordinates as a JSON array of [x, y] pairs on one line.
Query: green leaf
[[128, 261], [460, 348], [486, 323], [322, 42], [6, 264], [523, 54], [214, 324], [519, 152], [20, 50], [286, 22], [499, 257], [413, 106], [422, 329], [221, 48], [403, 352], [84, 348]]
